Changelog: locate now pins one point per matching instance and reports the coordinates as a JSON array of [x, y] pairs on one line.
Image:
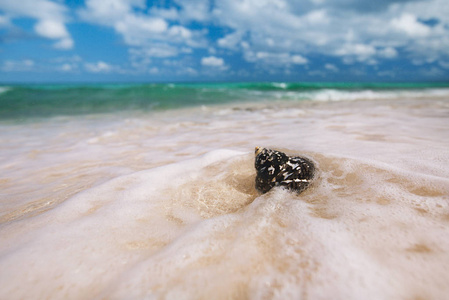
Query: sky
[[223, 40]]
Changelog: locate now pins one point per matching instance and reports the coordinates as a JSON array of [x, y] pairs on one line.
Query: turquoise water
[[31, 101]]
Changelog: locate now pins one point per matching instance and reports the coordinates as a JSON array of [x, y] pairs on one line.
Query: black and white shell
[[275, 168]]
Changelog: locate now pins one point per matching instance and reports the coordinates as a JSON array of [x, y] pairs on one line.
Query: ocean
[[147, 191], [41, 101]]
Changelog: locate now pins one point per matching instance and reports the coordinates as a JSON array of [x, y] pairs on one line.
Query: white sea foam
[[4, 89], [154, 206], [281, 85], [342, 95]]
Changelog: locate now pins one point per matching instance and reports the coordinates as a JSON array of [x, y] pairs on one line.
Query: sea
[[147, 191]]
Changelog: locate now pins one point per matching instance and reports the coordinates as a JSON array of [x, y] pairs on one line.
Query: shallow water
[[136, 205]]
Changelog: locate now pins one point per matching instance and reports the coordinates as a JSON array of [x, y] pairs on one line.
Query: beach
[[147, 192]]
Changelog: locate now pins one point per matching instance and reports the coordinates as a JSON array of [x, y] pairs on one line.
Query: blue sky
[[224, 40]]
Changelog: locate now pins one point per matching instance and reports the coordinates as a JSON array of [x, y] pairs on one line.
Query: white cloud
[[66, 43], [142, 58], [360, 51], [388, 52], [191, 10], [55, 30], [168, 14], [298, 59], [180, 31], [231, 40], [4, 21], [66, 68], [108, 12], [137, 29], [161, 50], [186, 50], [331, 67], [275, 59], [18, 65], [98, 67], [317, 17], [36, 9], [67, 63], [191, 71], [187, 71], [51, 18], [212, 61], [409, 24], [196, 10], [51, 29]]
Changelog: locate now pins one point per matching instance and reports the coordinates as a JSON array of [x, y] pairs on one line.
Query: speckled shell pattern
[[275, 168]]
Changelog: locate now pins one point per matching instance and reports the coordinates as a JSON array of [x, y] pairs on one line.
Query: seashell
[[275, 168]]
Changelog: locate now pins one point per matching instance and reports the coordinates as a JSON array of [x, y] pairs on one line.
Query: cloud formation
[[194, 36], [98, 67], [212, 61], [14, 66], [352, 30], [142, 28], [50, 16]]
